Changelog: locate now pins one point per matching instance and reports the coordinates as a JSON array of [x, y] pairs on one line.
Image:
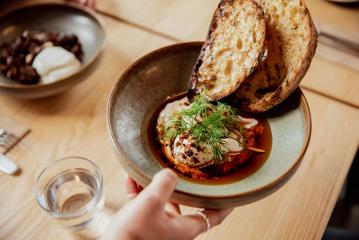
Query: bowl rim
[[282, 178], [84, 67]]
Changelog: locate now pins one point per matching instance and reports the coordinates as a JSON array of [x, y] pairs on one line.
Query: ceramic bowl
[[344, 1], [53, 17], [165, 72]]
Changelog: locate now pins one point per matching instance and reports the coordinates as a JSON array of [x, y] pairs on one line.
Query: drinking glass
[[71, 191]]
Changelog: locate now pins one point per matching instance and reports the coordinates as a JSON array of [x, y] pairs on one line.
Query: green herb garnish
[[206, 122]]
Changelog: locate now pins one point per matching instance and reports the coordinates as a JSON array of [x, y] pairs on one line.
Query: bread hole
[[209, 65], [212, 78], [221, 52], [294, 11], [229, 66], [254, 35], [284, 3], [209, 84], [276, 17], [240, 61], [263, 91], [275, 9], [245, 54], [239, 43]]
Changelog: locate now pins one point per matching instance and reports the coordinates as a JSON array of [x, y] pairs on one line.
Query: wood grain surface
[[74, 124], [337, 19], [188, 20], [71, 124], [14, 130], [301, 209]]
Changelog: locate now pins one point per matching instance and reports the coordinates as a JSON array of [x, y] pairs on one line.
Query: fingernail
[[170, 173], [167, 173]]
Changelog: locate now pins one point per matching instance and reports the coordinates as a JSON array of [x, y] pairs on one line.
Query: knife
[[8, 166]]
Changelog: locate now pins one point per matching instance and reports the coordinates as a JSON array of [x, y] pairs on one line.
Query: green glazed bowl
[[165, 72]]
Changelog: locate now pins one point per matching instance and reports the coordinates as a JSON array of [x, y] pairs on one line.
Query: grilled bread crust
[[234, 47], [292, 41]]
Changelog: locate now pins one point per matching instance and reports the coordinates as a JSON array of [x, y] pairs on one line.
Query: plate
[[165, 72], [53, 17]]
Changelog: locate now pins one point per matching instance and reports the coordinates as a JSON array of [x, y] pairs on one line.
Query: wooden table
[[188, 20], [74, 124]]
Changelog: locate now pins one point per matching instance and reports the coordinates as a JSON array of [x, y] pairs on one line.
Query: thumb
[[162, 186]]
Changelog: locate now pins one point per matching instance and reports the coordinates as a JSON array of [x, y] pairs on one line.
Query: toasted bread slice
[[292, 41], [235, 45]]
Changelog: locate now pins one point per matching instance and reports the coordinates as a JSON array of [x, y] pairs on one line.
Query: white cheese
[[54, 63], [172, 108]]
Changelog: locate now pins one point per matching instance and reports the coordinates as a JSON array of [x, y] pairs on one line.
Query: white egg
[[187, 151]]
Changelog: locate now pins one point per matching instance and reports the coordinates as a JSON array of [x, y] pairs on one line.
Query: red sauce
[[264, 141]]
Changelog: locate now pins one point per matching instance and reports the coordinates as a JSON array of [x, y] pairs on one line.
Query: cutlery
[[6, 165]]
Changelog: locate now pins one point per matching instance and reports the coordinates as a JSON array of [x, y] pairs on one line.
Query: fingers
[[172, 209], [87, 3], [82, 2], [190, 225], [217, 216], [162, 186], [139, 187], [91, 4], [131, 187], [195, 224], [176, 208]]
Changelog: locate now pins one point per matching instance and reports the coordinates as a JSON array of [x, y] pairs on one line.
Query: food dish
[[53, 17], [202, 134], [209, 140], [54, 63], [270, 60], [165, 72], [292, 41], [237, 42], [203, 140], [35, 57]]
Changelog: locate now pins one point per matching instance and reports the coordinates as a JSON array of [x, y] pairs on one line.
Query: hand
[[87, 3], [148, 215]]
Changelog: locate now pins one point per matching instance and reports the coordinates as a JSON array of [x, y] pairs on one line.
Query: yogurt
[[54, 63]]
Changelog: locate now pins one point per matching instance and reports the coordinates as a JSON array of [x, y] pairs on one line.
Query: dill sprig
[[206, 122]]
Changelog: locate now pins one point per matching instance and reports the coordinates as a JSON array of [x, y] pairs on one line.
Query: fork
[[6, 138], [6, 165]]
